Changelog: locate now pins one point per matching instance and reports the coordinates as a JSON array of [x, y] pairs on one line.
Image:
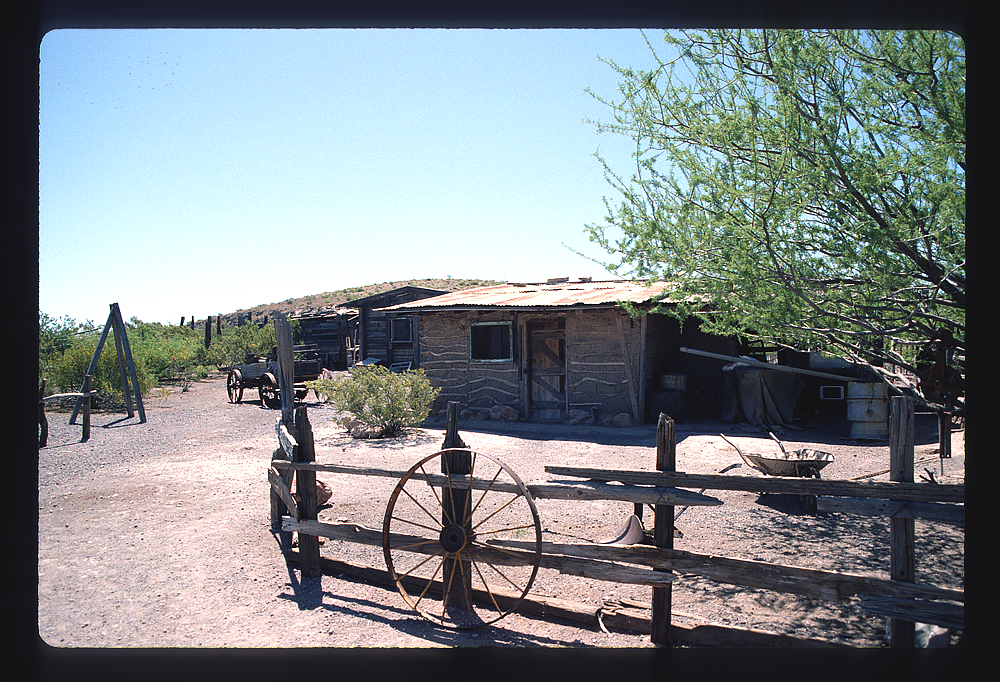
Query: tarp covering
[[764, 397]]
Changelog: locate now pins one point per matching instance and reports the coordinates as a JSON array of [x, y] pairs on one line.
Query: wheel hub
[[454, 538]]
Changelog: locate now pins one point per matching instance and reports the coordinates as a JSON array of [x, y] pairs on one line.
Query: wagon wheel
[[270, 395], [439, 539], [234, 386]]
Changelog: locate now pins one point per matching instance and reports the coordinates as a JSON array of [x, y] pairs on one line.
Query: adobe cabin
[[382, 342], [563, 351], [331, 331]]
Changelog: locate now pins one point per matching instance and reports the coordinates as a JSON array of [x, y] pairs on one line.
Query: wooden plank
[[594, 569], [626, 619], [548, 352], [287, 441], [809, 582], [116, 312], [93, 363], [531, 605], [902, 532], [632, 391], [305, 485], [886, 490], [952, 514], [591, 490], [281, 488], [945, 614], [286, 365], [663, 530]]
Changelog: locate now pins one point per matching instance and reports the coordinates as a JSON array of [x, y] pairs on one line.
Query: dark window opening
[[492, 341], [401, 329]]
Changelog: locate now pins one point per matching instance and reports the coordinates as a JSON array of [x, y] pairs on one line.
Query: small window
[[492, 341], [401, 329]]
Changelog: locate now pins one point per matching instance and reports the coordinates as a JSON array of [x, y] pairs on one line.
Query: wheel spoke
[[497, 511], [417, 502], [486, 585]]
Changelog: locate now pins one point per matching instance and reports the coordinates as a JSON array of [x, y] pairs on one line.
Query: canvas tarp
[[764, 397]]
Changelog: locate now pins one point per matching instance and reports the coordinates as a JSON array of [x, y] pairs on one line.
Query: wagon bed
[[262, 373]]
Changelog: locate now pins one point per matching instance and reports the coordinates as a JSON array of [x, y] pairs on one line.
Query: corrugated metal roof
[[548, 295]]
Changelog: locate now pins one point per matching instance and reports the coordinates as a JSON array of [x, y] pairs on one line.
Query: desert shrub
[[70, 370], [234, 343], [167, 351], [55, 337], [384, 402]]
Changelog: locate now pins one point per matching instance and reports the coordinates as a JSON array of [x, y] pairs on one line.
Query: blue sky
[[201, 171]]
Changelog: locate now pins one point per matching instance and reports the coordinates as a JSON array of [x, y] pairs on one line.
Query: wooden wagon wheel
[[439, 538], [270, 394], [234, 385]]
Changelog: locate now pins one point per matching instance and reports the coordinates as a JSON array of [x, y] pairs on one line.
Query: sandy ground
[[157, 535]]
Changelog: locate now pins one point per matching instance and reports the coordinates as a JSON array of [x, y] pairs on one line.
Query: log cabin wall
[[330, 334], [378, 338]]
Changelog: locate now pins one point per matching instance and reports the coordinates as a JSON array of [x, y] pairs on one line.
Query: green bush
[[234, 343], [382, 401], [70, 370]]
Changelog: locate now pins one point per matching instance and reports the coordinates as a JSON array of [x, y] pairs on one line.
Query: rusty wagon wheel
[[463, 549], [234, 385], [270, 393]]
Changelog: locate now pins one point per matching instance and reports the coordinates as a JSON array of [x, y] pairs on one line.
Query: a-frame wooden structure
[[125, 364]]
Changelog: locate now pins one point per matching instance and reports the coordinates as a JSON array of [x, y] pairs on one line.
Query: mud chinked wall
[[579, 365]]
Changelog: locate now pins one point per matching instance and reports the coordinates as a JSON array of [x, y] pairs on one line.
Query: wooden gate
[[546, 370]]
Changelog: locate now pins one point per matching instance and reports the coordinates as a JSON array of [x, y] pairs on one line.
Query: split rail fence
[[897, 596]]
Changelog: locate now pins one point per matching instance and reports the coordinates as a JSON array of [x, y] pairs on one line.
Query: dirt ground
[[157, 535]]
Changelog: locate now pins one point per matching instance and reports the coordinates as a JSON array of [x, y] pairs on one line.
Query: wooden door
[[547, 370]]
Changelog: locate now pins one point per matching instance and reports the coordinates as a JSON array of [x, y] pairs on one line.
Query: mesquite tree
[[809, 186]]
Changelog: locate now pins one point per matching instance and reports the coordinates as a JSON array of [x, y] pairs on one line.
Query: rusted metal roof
[[548, 295]]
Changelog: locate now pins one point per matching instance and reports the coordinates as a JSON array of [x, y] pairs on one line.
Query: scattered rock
[[504, 413], [622, 419]]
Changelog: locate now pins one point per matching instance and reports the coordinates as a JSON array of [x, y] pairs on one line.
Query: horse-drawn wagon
[[262, 373]]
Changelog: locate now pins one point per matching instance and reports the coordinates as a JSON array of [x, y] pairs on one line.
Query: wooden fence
[[897, 596]]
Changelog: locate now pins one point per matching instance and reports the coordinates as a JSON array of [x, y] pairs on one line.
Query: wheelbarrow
[[805, 463]]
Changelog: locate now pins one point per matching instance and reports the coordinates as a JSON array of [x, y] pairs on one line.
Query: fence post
[[902, 532], [86, 409], [456, 579], [451, 437], [305, 486], [43, 424], [663, 530]]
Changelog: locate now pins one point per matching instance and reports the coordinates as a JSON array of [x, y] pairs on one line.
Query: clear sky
[[201, 171]]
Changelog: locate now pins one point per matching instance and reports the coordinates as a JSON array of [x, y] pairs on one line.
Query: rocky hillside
[[315, 303]]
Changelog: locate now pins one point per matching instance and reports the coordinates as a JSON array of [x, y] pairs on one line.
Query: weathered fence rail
[[656, 566], [86, 395], [897, 596]]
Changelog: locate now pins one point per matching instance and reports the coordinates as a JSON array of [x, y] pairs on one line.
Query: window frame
[[509, 346]]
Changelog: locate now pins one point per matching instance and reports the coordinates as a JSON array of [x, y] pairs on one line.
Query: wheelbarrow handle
[[742, 456]]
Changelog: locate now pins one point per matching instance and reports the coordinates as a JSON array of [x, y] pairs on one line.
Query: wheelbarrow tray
[[794, 463]]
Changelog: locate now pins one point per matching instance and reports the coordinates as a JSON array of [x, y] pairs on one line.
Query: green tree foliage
[[808, 185], [385, 402], [235, 343]]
